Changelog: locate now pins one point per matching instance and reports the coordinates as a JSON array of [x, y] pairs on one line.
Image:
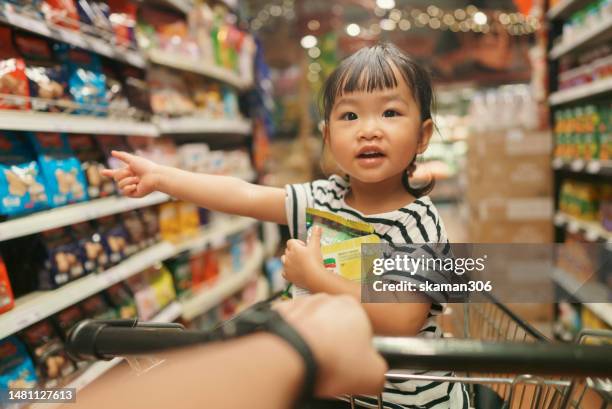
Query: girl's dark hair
[[371, 69]]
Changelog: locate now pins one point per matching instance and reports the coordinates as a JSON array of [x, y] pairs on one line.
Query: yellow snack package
[[345, 258]]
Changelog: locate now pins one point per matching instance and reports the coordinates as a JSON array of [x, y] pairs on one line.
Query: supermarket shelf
[[76, 213], [75, 38], [169, 314], [180, 62], [592, 167], [225, 286], [581, 92], [591, 37], [593, 231], [596, 291], [565, 8], [39, 305], [195, 124], [54, 122]]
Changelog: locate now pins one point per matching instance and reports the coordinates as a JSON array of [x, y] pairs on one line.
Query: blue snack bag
[[86, 81], [22, 186], [62, 171], [16, 367]]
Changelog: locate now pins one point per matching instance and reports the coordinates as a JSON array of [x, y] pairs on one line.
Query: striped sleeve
[[298, 198]]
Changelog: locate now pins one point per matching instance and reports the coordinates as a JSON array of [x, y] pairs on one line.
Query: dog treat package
[[61, 13], [122, 301], [169, 224], [24, 258], [95, 259], [150, 219], [109, 143], [116, 95], [63, 261], [92, 164], [22, 185], [86, 81], [64, 178], [97, 308], [47, 78], [136, 231], [160, 280], [114, 237], [7, 301], [169, 93], [123, 19], [16, 366], [47, 350], [13, 80]]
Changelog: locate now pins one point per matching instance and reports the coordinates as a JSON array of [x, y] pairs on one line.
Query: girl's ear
[[426, 133]]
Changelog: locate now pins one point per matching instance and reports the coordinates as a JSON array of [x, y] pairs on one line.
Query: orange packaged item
[[62, 13], [13, 80], [7, 300]]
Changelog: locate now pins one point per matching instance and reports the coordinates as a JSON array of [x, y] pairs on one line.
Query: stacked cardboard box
[[509, 187]]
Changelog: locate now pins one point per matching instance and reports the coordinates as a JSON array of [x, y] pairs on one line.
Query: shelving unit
[[592, 167], [196, 124], [596, 35], [76, 213], [565, 8], [38, 305], [593, 231], [580, 92], [206, 298]]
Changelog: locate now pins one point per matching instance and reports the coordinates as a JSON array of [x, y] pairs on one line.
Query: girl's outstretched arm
[[225, 194]]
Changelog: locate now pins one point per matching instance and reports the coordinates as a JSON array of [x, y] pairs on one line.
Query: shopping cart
[[505, 362], [522, 372]]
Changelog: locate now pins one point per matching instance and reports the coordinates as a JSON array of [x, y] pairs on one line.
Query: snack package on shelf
[[580, 199], [61, 13], [123, 21], [160, 150], [66, 319], [86, 81], [169, 93], [188, 219], [605, 207], [108, 143], [47, 78], [114, 237], [47, 349], [206, 96], [583, 132], [24, 258], [181, 273], [136, 231], [95, 259], [122, 301], [150, 218], [230, 103], [13, 79], [200, 20], [95, 18], [144, 296], [116, 95], [204, 267], [7, 300], [169, 227], [64, 178], [167, 31], [160, 280], [92, 164], [22, 185], [97, 308], [63, 259], [16, 366], [193, 157], [137, 90]]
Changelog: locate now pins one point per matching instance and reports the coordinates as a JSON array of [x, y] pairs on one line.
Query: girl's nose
[[370, 130]]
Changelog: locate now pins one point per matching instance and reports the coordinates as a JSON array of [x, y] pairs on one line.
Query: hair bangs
[[369, 72]]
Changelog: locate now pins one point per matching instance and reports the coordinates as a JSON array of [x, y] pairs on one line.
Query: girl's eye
[[389, 113], [349, 116]]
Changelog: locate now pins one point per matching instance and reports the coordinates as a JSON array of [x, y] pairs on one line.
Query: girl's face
[[373, 136]]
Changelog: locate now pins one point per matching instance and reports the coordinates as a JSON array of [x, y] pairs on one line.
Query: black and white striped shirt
[[417, 222]]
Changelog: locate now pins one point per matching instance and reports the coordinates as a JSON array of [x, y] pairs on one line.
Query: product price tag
[[577, 165], [71, 37]]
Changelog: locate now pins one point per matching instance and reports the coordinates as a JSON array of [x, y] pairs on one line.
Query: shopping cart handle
[[461, 355]]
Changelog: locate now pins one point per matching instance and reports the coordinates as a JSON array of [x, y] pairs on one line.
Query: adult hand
[[138, 178], [339, 334]]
